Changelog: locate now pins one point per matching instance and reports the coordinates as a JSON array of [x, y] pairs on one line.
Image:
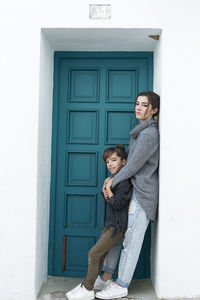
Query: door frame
[[57, 56]]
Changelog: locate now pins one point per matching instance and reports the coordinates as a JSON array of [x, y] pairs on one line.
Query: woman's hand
[[104, 191], [109, 183], [108, 188], [107, 179]]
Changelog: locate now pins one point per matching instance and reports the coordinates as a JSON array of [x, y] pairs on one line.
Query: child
[[118, 200]]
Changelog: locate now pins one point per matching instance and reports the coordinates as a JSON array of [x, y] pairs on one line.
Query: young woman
[[118, 199], [142, 169]]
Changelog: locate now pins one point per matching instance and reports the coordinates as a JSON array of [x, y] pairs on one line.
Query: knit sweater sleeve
[[146, 146]]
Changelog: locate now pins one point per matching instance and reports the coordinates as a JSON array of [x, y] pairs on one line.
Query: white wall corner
[[155, 226], [44, 160]]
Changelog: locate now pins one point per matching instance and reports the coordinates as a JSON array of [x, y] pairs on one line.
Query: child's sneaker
[[101, 284], [80, 293], [72, 291]]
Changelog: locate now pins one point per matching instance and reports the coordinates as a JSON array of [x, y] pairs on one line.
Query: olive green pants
[[98, 253]]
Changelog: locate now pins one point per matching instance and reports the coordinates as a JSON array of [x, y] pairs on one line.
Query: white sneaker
[[112, 291], [72, 291], [80, 293], [101, 284]]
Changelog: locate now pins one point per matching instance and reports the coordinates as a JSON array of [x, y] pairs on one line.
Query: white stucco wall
[[44, 159], [26, 110], [19, 78], [178, 261], [155, 246]]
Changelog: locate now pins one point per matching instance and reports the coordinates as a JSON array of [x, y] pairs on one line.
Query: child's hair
[[153, 99], [118, 149]]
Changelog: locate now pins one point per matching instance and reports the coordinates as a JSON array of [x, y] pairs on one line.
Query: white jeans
[[132, 244]]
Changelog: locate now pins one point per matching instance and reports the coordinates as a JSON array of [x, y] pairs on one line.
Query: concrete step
[[56, 287]]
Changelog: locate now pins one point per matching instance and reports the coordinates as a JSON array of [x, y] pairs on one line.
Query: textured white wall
[[19, 78], [178, 245], [44, 160], [25, 207], [155, 246]]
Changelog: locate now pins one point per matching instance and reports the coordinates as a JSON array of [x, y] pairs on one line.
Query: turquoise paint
[[88, 90]]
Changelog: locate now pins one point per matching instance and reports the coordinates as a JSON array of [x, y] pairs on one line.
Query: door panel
[[93, 109]]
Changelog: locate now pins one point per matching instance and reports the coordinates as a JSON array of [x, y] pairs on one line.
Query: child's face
[[143, 109], [115, 163]]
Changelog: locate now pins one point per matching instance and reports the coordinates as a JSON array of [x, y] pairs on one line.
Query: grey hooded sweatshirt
[[142, 166]]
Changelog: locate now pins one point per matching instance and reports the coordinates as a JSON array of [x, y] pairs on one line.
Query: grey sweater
[[142, 166]]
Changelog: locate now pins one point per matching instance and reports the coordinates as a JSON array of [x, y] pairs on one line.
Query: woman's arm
[[145, 148]]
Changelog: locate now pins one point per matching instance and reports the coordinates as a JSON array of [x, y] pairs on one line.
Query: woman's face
[[143, 109]]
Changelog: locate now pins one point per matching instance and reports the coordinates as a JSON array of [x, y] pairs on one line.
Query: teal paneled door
[[93, 109]]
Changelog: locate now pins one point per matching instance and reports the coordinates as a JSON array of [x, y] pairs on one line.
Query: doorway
[[92, 110]]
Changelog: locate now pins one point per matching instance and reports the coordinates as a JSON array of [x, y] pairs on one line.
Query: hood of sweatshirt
[[136, 130]]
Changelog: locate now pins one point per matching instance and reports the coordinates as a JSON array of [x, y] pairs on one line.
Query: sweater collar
[[136, 130]]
